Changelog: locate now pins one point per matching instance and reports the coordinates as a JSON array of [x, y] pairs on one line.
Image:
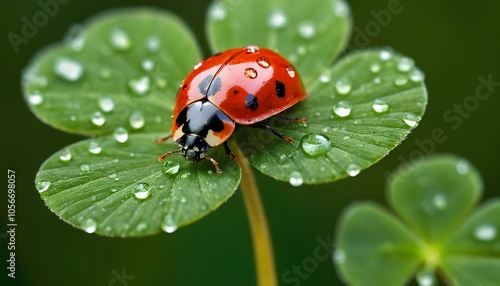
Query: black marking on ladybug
[[235, 92], [210, 86], [251, 102], [280, 89], [184, 86]]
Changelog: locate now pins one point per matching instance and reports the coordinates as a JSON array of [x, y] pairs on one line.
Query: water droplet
[[375, 68], [405, 64], [385, 54], [98, 118], [291, 71], [339, 256], [277, 19], [84, 167], [250, 73], [198, 65], [425, 278], [252, 49], [107, 104], [325, 76], [380, 105], [183, 200], [307, 30], [42, 186], [169, 225], [121, 135], [72, 118], [68, 69], [142, 191], [439, 201], [136, 120], [153, 44], [377, 80], [65, 155], [94, 147], [218, 11], [141, 226], [35, 98], [463, 167], [263, 62], [76, 38], [343, 86], [89, 225], [170, 167], [147, 64], [340, 8], [139, 86], [400, 80], [120, 40], [411, 119], [296, 179], [315, 144], [161, 83], [485, 232], [114, 190], [353, 169], [417, 76], [342, 108]]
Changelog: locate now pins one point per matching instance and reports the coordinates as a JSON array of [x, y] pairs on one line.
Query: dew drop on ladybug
[[238, 86]]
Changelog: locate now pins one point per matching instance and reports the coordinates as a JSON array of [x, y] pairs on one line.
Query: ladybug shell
[[248, 84]]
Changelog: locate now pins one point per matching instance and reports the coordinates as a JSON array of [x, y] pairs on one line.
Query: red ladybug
[[241, 85]]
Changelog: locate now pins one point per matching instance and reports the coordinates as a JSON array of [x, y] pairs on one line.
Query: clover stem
[[262, 244]]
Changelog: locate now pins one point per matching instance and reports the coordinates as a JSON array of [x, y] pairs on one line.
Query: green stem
[[262, 244]]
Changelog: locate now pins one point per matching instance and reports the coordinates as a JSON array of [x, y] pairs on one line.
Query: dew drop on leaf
[[277, 19], [120, 134], [343, 86], [417, 76], [84, 167], [463, 167], [65, 155], [342, 108], [68, 69], [120, 40], [385, 55], [35, 98], [169, 225], [425, 278], [340, 8], [485, 232], [400, 80], [94, 147], [170, 167], [139, 86], [375, 68], [76, 37], [296, 179], [315, 144], [141, 226], [380, 105], [136, 120], [142, 191], [106, 104], [339, 256], [153, 44], [353, 169], [218, 11], [42, 186], [325, 76], [440, 201], [307, 30], [411, 119], [147, 64], [89, 225], [405, 64], [98, 118]]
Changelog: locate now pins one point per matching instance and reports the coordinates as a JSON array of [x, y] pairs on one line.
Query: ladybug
[[242, 85]]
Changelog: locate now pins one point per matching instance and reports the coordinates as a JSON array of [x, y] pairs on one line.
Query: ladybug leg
[[229, 153], [275, 132], [162, 157], [216, 164], [163, 139], [292, 119]]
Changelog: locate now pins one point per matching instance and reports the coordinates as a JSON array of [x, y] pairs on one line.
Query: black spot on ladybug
[[235, 92], [251, 102], [280, 89], [200, 117], [210, 86], [184, 86]]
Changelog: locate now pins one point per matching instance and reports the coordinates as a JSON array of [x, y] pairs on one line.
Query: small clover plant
[[115, 79], [436, 230]]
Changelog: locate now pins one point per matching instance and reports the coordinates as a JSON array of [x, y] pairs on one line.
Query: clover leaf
[[437, 232], [115, 79]]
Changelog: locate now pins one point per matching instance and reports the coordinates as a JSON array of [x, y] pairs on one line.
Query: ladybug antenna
[[162, 157]]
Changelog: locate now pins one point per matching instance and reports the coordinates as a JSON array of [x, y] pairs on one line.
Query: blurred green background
[[453, 42]]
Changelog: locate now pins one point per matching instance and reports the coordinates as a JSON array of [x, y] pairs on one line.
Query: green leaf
[[309, 35], [121, 69], [120, 189], [434, 196], [364, 108], [468, 270], [479, 234], [374, 246]]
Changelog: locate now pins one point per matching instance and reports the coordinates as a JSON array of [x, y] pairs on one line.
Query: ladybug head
[[193, 147]]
